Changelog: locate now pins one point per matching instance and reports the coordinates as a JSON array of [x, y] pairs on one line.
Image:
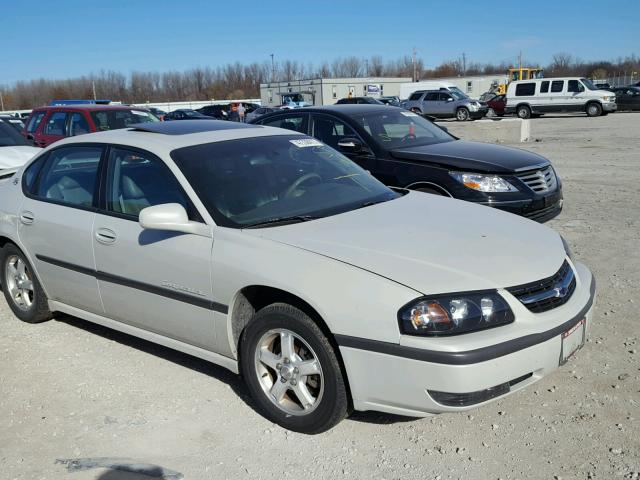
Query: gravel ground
[[72, 390]]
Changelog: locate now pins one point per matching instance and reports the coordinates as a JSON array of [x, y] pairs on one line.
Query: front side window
[[138, 180], [525, 89], [56, 123], [114, 119], [444, 97], [295, 122], [557, 86], [589, 84], [36, 119], [247, 182], [78, 125], [574, 86], [330, 130], [416, 96], [69, 176]]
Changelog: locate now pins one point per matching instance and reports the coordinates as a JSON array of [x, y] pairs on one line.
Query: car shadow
[[207, 368]]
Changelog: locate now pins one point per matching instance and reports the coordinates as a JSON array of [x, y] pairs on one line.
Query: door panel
[[56, 224]]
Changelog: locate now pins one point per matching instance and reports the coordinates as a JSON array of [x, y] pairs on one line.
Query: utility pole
[[93, 86], [415, 65], [1, 102], [366, 67], [520, 65], [464, 64], [273, 69]]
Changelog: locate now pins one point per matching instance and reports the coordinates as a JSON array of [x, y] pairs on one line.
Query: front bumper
[[609, 107], [480, 113], [409, 380], [539, 209]]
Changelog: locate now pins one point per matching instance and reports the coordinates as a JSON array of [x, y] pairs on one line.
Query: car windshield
[[9, 136], [16, 123], [589, 84], [114, 119], [257, 181], [457, 93], [401, 128]]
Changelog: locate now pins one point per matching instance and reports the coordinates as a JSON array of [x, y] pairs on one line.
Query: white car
[[271, 254], [14, 149]]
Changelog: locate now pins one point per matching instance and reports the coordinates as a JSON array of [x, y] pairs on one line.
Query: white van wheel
[[594, 109], [524, 112]]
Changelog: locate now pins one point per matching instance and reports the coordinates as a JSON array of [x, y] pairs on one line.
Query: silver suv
[[445, 104]]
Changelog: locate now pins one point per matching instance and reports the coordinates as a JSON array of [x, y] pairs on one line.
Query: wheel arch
[[252, 298]]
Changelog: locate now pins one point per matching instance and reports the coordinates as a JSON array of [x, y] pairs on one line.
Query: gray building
[[327, 91]]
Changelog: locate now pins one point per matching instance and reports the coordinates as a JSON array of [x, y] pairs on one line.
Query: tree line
[[237, 80]]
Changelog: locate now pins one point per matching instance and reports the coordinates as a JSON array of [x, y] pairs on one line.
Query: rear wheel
[[523, 112], [21, 287], [594, 109], [462, 114], [292, 370]]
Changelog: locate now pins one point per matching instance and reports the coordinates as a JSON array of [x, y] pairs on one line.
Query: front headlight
[[452, 314], [483, 183]]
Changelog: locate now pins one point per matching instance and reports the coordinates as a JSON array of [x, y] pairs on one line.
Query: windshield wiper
[[282, 220]]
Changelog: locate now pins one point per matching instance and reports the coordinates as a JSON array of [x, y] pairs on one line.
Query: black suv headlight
[[439, 315]]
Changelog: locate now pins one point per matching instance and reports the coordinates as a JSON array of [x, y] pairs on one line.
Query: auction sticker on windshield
[[572, 341], [307, 142]]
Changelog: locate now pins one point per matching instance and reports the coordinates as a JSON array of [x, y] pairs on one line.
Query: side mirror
[[449, 99], [350, 144], [172, 217]]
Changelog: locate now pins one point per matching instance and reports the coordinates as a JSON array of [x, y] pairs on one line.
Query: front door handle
[[27, 217], [105, 236]]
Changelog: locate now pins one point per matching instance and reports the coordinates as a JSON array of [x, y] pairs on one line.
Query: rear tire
[[594, 109], [524, 112], [278, 345], [21, 287], [462, 114]]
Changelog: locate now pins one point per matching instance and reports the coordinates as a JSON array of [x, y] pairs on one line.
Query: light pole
[[1, 102], [273, 69]]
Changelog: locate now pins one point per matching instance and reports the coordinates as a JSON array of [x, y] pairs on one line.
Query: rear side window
[[36, 119], [525, 89], [296, 122], [544, 87], [415, 96], [557, 86], [56, 123], [69, 176], [431, 97]]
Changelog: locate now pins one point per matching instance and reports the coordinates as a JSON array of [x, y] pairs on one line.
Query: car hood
[[473, 156], [11, 157], [431, 244]]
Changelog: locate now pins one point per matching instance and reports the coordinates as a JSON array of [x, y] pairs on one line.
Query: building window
[[270, 94], [469, 86]]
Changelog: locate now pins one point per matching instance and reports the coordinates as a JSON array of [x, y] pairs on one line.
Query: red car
[[50, 124], [497, 103]]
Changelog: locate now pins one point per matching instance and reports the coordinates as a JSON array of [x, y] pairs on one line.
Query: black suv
[[403, 149]]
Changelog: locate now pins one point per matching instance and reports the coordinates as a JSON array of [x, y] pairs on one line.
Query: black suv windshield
[[401, 128], [256, 181], [9, 136]]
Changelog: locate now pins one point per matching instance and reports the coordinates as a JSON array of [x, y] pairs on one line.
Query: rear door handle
[[27, 217], [105, 236]]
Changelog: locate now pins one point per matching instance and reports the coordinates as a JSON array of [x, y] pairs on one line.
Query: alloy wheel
[[19, 282], [289, 372]]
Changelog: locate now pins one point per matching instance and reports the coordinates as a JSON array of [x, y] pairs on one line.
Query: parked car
[[258, 112], [627, 98], [14, 149], [496, 106], [602, 86], [392, 101], [157, 112], [528, 98], [445, 104], [50, 124], [271, 254], [15, 122], [402, 149], [219, 112], [185, 114], [359, 101]]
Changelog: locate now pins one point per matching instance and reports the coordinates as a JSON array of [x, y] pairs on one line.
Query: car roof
[[347, 109], [90, 107], [163, 137]]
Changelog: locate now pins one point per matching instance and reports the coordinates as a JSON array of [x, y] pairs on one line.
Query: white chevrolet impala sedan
[[271, 254]]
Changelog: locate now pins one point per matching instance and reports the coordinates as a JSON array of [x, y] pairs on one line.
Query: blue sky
[[68, 38]]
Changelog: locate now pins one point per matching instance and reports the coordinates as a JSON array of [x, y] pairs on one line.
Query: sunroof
[[185, 127]]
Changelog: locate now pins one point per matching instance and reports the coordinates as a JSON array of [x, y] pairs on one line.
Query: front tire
[[292, 370], [523, 112], [462, 114], [594, 109], [21, 287]]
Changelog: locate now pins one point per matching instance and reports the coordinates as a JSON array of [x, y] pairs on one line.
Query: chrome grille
[[548, 293], [542, 180]]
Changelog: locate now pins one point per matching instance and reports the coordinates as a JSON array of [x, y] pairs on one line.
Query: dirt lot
[[71, 390]]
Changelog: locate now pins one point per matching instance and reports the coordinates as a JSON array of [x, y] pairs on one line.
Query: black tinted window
[[574, 86], [544, 87], [525, 89], [330, 130], [69, 175], [415, 96], [56, 124], [431, 97], [295, 122], [557, 86], [138, 180], [35, 120], [443, 97]]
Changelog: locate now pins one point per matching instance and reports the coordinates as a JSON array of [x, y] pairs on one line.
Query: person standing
[[233, 113], [241, 112]]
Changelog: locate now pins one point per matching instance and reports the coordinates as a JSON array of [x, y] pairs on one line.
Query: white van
[[528, 98], [406, 89]]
